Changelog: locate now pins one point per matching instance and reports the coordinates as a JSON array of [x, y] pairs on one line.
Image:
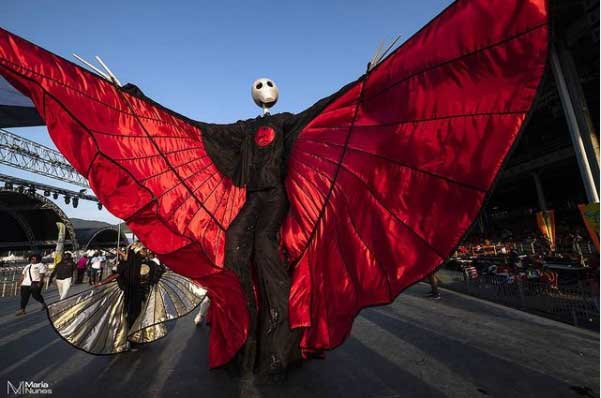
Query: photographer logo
[[27, 387]]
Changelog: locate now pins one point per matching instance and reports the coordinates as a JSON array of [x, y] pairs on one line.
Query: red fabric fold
[[385, 182], [147, 167], [382, 184]]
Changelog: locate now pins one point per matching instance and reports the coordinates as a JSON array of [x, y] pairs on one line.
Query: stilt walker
[[294, 223]]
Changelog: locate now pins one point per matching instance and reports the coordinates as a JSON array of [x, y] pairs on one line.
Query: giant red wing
[[384, 183], [148, 166]]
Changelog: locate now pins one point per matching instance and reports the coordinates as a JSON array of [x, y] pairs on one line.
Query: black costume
[[253, 153], [135, 277], [253, 237], [373, 171]]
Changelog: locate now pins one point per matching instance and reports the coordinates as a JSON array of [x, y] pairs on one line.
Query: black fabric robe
[[253, 154]]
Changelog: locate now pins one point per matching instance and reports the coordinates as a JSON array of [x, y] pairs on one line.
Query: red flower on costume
[[264, 136]]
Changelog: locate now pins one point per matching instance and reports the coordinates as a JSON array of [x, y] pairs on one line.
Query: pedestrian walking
[[31, 282], [434, 293], [64, 274], [96, 268], [81, 268]]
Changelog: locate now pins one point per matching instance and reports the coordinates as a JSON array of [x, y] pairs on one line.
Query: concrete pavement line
[[452, 311], [436, 374], [576, 346], [131, 371], [5, 319], [410, 314], [493, 353], [22, 332], [23, 360], [248, 389], [372, 374], [32, 307], [175, 347], [533, 317], [176, 343], [13, 320], [55, 374], [108, 367]]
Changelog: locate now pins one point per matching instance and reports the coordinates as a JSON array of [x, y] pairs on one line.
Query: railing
[[529, 247], [577, 304], [9, 278], [10, 275]]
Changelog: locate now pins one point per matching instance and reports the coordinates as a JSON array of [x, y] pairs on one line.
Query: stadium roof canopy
[[99, 238], [29, 222]]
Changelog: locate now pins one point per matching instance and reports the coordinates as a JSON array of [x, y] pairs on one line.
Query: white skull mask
[[265, 92]]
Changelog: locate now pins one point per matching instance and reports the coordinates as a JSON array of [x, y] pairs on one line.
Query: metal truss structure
[[24, 154], [21, 184]]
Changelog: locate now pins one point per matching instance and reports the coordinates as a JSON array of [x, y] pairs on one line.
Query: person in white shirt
[[96, 268], [31, 282]]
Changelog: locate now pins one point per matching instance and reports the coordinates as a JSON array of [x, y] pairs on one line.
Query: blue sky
[[200, 58]]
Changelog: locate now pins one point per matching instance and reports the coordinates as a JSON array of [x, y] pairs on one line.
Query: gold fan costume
[[131, 308]]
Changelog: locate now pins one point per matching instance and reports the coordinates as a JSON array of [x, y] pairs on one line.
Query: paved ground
[[456, 347]]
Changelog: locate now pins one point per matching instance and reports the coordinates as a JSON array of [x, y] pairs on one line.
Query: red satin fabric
[[264, 136], [387, 179], [148, 167], [382, 184]]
